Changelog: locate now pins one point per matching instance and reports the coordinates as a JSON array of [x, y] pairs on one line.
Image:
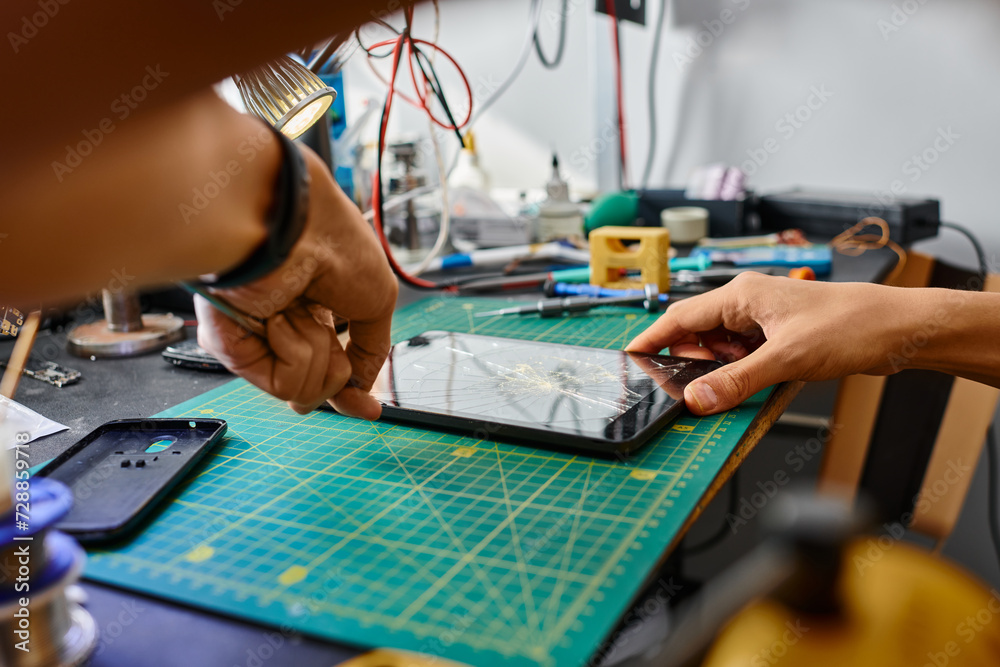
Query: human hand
[[336, 268], [770, 330]]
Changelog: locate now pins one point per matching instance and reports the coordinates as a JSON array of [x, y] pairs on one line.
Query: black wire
[[561, 47], [984, 267], [434, 85], [651, 92], [433, 81], [357, 36], [723, 532], [994, 489], [437, 89]]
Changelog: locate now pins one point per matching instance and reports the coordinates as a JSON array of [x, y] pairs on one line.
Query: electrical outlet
[[625, 10]]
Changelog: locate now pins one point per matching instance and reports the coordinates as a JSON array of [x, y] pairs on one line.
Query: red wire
[[377, 189], [422, 98], [422, 93], [622, 143]]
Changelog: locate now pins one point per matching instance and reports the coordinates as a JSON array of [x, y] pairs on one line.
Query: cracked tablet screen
[[565, 388]]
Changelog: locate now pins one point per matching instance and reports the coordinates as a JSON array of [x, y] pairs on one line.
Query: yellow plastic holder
[[650, 256]]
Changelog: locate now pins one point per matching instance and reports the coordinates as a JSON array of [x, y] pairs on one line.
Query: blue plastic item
[[49, 502], [693, 263], [819, 258], [570, 289]]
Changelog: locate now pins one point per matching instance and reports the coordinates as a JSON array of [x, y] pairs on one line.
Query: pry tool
[[252, 324]]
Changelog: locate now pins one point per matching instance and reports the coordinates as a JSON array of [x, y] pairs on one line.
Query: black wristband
[[285, 221]]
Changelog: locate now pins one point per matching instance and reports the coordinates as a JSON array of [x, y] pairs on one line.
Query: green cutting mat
[[381, 535]]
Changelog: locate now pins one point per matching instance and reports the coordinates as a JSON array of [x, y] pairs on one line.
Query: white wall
[[541, 111], [892, 92]]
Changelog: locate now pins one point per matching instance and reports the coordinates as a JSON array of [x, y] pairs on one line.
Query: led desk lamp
[[285, 95]]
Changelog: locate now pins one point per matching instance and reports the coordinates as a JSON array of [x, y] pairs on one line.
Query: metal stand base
[[97, 340]]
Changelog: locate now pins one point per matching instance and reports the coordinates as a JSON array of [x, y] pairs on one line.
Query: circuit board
[[11, 320], [382, 535]]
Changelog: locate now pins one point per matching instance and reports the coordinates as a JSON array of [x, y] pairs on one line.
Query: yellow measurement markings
[[199, 554], [293, 575]]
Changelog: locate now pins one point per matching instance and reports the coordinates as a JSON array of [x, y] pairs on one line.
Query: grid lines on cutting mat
[[389, 535]]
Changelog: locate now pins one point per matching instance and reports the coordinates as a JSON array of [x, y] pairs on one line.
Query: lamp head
[[286, 95]]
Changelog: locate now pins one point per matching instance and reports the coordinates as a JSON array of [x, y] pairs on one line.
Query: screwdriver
[[650, 300], [553, 289]]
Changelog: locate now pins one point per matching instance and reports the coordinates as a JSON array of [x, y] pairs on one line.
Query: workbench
[[139, 630]]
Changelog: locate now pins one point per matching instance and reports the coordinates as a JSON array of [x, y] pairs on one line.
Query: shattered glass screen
[[588, 392]]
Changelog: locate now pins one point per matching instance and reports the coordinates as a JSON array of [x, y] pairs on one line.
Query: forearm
[[67, 74], [179, 193], [952, 331]]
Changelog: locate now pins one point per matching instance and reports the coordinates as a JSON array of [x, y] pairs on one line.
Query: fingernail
[[703, 395]]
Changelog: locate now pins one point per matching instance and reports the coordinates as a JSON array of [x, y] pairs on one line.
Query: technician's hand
[[337, 267], [772, 330]]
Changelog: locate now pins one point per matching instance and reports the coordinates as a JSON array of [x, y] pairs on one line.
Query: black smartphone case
[[122, 470]]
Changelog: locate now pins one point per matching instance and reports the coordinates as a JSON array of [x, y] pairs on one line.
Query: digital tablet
[[585, 399]]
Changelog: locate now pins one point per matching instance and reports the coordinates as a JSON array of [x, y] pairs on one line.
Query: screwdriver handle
[[565, 289]]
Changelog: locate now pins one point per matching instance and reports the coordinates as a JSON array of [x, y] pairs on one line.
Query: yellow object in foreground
[[389, 658], [902, 607]]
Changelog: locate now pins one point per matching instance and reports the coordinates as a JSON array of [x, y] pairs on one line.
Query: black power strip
[[828, 213]]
